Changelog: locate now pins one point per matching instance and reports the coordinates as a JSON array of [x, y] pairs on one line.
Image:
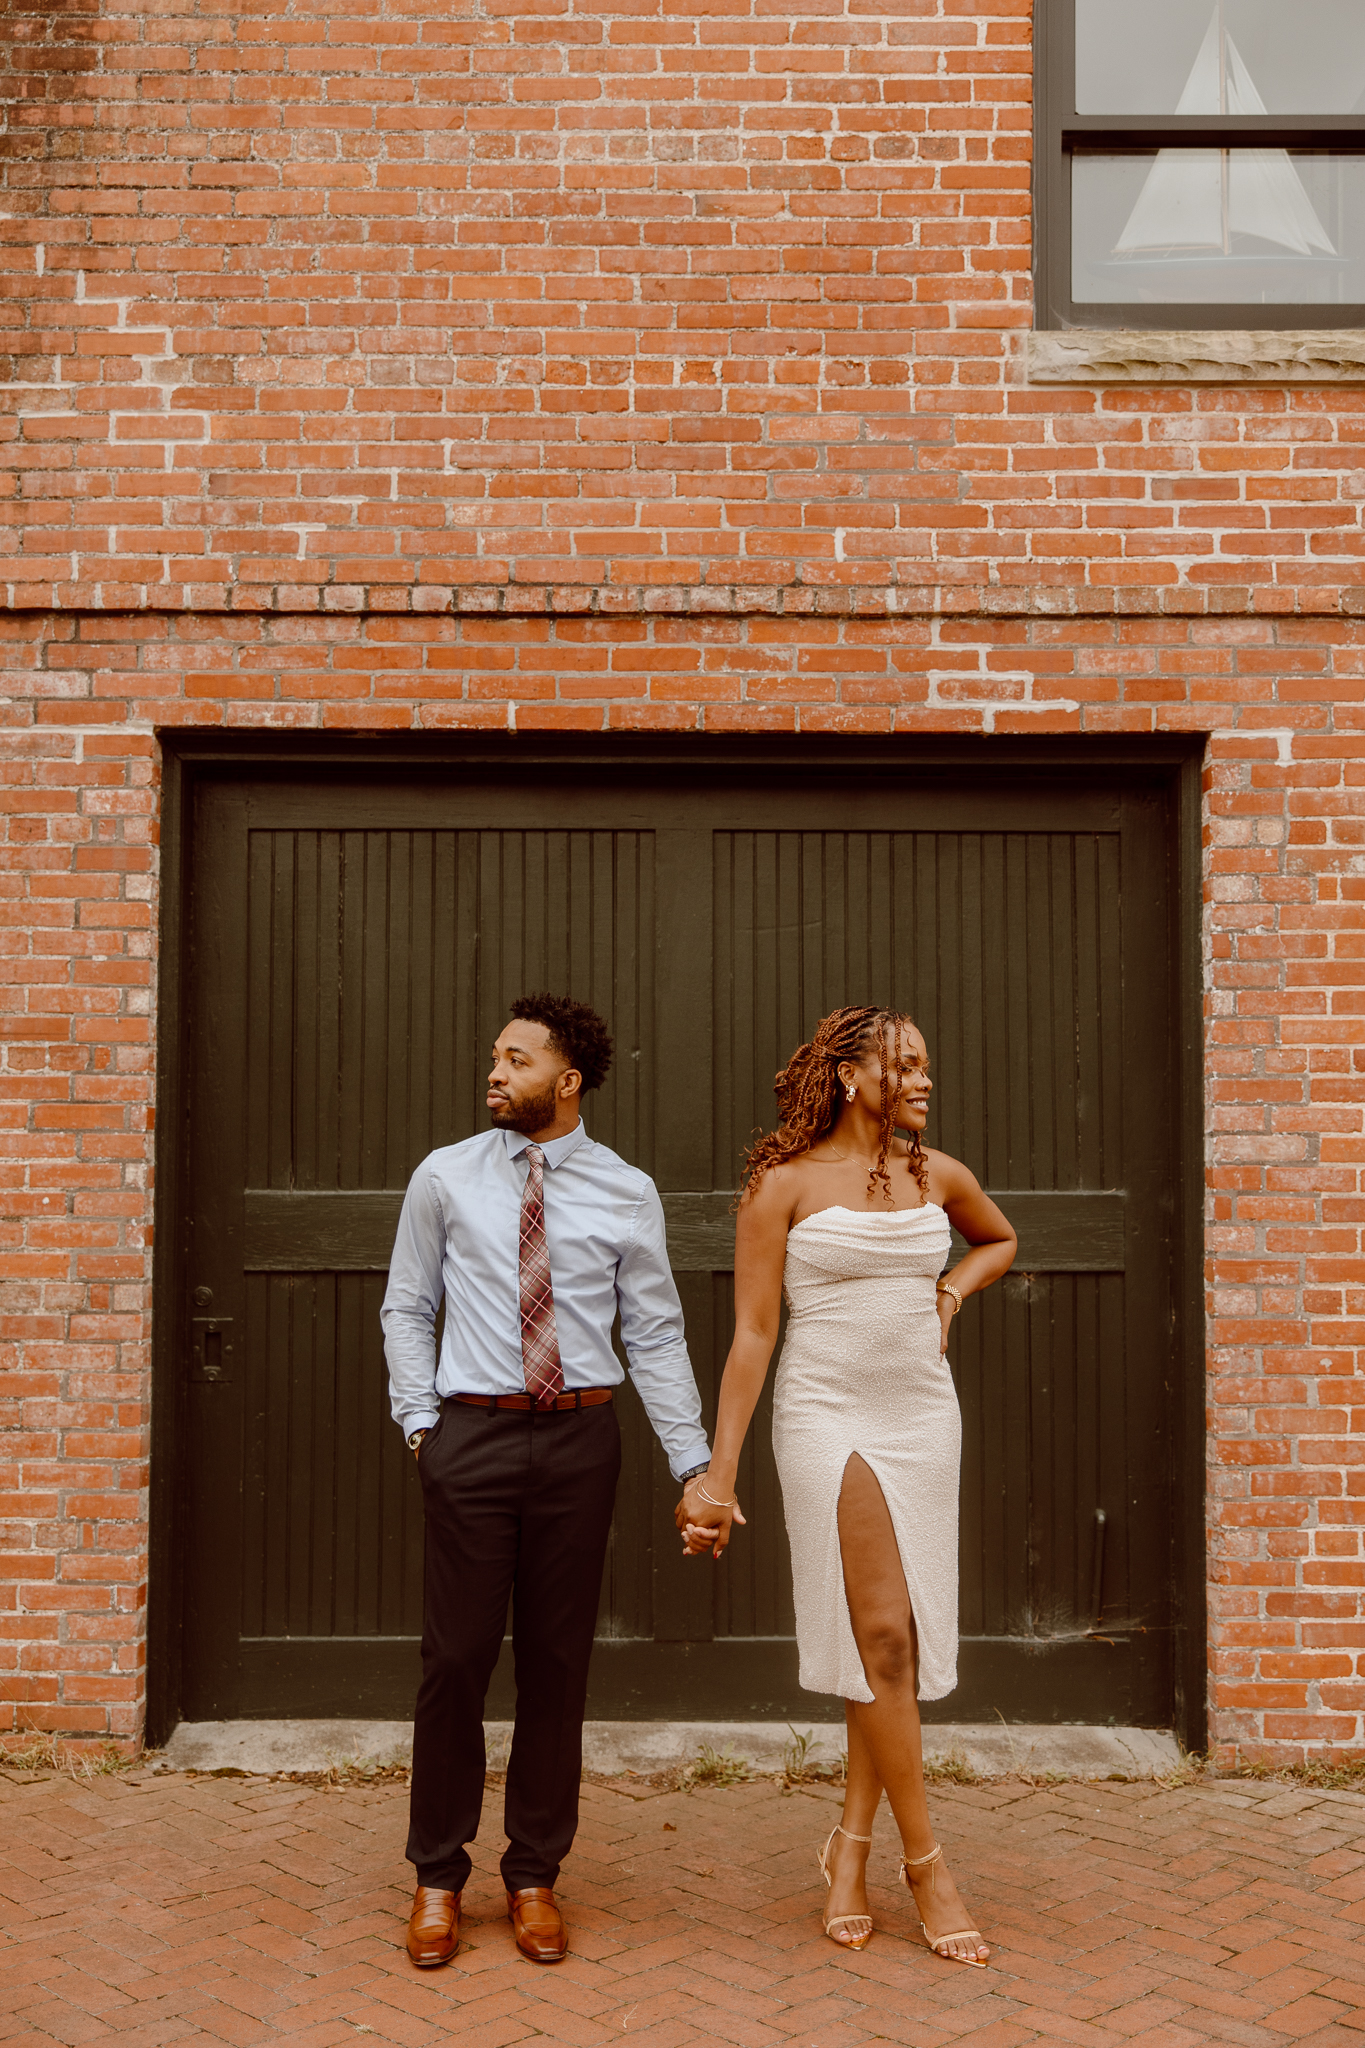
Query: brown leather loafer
[[433, 1927], [538, 1924]]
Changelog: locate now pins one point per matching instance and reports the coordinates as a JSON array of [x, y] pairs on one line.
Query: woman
[[850, 1218]]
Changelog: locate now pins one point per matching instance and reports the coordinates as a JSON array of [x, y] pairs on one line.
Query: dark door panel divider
[[1063, 1231], [736, 1679], [323, 1232], [1060, 1231]]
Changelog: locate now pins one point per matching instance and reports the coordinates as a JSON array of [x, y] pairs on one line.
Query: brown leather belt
[[582, 1397]]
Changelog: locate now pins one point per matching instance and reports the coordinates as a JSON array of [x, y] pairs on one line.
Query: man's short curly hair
[[577, 1033]]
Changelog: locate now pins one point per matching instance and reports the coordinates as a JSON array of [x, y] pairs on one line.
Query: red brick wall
[[633, 367]]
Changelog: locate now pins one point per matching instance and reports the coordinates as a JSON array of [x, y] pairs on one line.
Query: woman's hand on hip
[[947, 1309]]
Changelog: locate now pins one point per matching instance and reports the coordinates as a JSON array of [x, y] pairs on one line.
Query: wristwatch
[[695, 1473], [415, 1439]]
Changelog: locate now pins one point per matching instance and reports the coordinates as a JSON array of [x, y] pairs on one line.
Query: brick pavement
[[159, 1909]]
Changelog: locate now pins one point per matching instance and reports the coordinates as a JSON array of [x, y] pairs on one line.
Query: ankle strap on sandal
[[914, 1862], [848, 1837]]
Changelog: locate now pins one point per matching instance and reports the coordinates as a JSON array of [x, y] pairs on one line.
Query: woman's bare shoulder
[[775, 1193], [949, 1179]]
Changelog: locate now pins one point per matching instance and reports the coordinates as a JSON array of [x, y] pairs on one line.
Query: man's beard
[[532, 1113]]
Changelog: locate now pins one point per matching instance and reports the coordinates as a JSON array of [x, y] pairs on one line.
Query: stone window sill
[[1114, 355]]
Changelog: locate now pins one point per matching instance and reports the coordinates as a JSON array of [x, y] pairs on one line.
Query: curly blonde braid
[[807, 1093]]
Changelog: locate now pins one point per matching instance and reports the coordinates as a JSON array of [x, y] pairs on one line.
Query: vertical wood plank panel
[[413, 1057], [1003, 945], [380, 965], [683, 1017], [307, 1077]]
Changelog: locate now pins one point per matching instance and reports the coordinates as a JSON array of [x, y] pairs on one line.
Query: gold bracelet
[[709, 1501], [947, 1287]]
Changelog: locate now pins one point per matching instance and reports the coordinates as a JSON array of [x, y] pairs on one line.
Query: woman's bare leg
[[888, 1726], [848, 1860]]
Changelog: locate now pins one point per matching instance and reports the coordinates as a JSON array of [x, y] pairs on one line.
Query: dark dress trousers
[[518, 1504], [518, 1501]]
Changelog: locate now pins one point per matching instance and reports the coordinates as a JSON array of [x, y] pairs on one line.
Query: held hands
[[702, 1526]]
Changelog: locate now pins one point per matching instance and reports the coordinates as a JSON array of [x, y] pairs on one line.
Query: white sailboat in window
[[1195, 200]]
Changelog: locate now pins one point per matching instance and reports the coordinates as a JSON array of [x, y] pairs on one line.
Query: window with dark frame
[[1200, 163]]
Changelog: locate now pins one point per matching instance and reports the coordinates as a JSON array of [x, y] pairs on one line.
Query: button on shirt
[[459, 1235]]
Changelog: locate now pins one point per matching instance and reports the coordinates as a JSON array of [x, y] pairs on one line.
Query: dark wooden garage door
[[355, 941]]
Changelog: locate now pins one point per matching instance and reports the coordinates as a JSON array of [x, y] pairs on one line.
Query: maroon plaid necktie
[[539, 1344]]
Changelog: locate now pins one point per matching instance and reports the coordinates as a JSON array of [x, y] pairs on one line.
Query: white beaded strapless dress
[[861, 1372]]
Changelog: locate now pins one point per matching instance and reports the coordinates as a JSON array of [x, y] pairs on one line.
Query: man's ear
[[570, 1081]]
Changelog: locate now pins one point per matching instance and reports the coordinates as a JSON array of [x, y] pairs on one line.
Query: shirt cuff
[[698, 1454], [421, 1418]]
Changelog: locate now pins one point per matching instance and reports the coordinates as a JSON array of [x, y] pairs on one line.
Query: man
[[536, 1237]]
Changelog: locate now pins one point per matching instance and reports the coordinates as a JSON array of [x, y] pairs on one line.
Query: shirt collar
[[558, 1149]]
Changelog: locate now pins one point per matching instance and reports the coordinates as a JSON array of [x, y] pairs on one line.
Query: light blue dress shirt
[[459, 1235]]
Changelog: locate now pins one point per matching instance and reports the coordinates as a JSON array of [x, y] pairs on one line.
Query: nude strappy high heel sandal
[[863, 1920], [937, 1941]]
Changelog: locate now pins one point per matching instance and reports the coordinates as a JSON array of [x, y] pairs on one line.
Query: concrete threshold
[[611, 1748]]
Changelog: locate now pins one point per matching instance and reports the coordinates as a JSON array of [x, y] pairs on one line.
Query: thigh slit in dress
[[862, 1372]]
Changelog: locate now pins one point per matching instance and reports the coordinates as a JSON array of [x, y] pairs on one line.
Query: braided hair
[[807, 1093]]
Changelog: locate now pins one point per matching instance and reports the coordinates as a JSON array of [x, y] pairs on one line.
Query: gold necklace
[[843, 1157]]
